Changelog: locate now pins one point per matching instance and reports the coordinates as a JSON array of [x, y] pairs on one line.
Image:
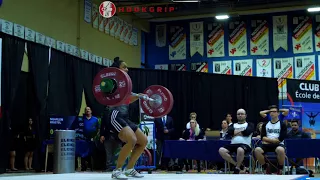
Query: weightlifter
[[128, 132]]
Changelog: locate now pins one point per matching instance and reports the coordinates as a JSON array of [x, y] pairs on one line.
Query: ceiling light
[[314, 9], [220, 17]]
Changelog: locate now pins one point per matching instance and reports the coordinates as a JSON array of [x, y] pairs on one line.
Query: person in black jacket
[[273, 134], [110, 142], [241, 133], [192, 134], [164, 131]]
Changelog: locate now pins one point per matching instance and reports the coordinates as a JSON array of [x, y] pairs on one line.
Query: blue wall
[[160, 55]]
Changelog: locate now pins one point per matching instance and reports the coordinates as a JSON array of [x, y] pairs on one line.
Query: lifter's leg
[[136, 153], [127, 136], [138, 149]]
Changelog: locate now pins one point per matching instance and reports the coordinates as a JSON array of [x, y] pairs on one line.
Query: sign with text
[[303, 90]]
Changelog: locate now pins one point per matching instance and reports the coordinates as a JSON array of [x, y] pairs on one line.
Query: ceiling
[[208, 8]]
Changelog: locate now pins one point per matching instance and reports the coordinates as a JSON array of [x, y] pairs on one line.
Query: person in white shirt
[[241, 133], [273, 134]]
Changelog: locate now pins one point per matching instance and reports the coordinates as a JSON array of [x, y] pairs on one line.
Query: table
[[307, 148], [197, 150], [83, 149]]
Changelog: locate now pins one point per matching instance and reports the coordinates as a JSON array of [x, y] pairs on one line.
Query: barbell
[[113, 87]]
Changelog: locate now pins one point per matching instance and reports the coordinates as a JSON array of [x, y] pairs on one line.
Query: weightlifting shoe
[[133, 173], [118, 174]]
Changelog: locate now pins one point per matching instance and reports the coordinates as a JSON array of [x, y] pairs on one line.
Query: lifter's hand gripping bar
[[143, 97]]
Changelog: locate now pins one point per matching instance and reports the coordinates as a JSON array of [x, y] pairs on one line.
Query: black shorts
[[232, 148], [270, 147], [118, 122]]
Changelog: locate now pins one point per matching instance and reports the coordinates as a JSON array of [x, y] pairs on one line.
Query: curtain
[[211, 96], [20, 106], [12, 56], [91, 70], [38, 56], [65, 92]]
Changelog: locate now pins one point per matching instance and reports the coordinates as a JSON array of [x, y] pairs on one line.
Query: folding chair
[[273, 156], [234, 155]]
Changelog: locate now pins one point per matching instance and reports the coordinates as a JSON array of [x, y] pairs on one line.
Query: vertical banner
[[242, 67], [119, 28], [280, 32], [304, 67], [95, 14], [222, 67], [317, 33], [215, 40], [196, 38], [178, 45], [112, 25], [87, 11], [0, 77], [161, 35], [263, 68], [199, 67], [161, 66], [282, 69], [259, 38], [302, 34], [237, 38], [178, 67]]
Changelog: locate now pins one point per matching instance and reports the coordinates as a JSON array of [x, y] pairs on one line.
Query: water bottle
[[294, 172]]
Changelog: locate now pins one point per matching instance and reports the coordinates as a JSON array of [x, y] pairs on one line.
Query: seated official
[[257, 133], [224, 130], [273, 134], [241, 133], [295, 133], [192, 134]]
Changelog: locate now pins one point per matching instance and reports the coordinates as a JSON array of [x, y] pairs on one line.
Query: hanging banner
[[302, 34], [282, 69], [87, 11], [161, 66], [237, 38], [199, 67], [305, 67], [222, 67], [215, 40], [161, 35], [178, 67], [259, 38], [263, 68], [242, 67], [280, 32], [303, 90], [196, 38], [119, 28], [317, 33], [177, 47], [112, 26], [95, 14]]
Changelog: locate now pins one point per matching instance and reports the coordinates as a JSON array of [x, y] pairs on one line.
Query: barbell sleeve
[[143, 97]]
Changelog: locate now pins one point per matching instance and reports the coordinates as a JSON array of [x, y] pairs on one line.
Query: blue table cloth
[[197, 150]]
